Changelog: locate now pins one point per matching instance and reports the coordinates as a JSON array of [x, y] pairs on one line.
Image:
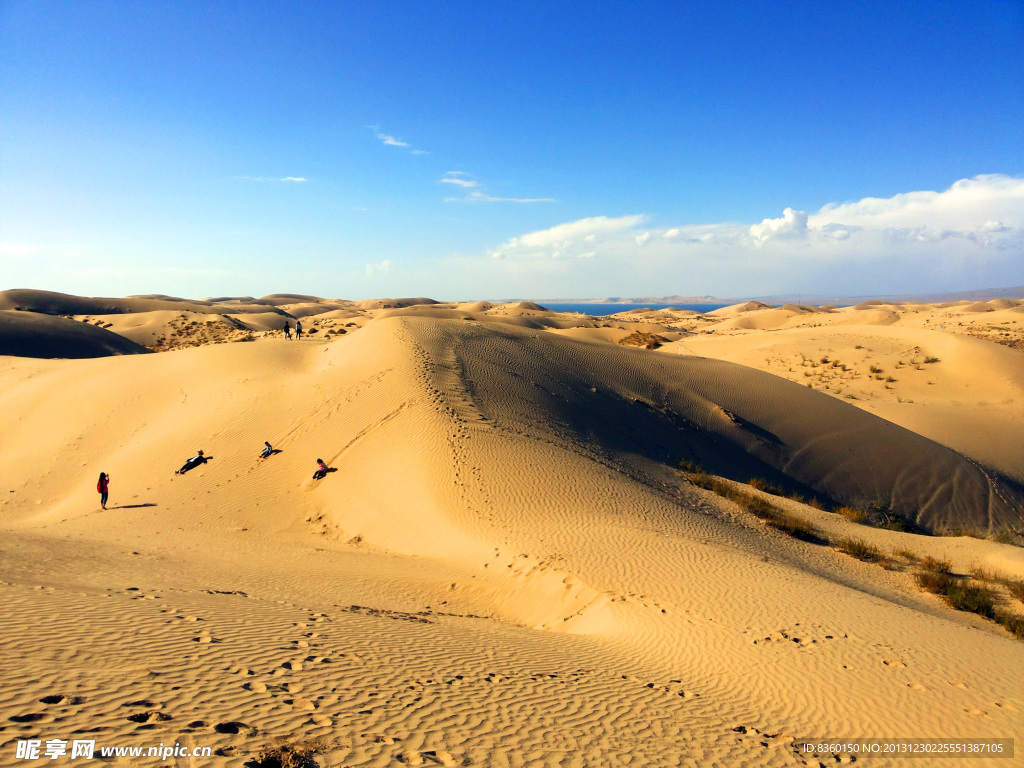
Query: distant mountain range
[[982, 294]]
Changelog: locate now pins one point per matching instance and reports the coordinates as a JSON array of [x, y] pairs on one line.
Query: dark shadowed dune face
[[733, 420], [29, 334]]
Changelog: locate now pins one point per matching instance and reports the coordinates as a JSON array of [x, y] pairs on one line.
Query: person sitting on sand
[[101, 487], [192, 463], [267, 450], [321, 470]]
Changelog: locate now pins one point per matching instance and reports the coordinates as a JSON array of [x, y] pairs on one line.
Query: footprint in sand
[[441, 756], [229, 727], [894, 664], [916, 686], [152, 716], [256, 687], [32, 717]]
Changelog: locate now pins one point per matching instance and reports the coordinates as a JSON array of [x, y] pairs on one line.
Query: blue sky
[[484, 150]]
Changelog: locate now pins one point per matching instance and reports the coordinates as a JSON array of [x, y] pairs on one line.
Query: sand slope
[[504, 569]]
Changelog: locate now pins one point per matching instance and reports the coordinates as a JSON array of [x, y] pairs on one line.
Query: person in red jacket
[[101, 487]]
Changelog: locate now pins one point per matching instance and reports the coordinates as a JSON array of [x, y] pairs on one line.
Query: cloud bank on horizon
[[972, 229]]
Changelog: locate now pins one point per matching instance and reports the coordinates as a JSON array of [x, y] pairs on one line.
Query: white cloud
[[574, 239], [476, 194], [380, 268], [455, 177], [792, 225], [969, 235], [391, 141], [967, 204]]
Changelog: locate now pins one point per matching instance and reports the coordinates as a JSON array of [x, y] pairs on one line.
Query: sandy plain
[[508, 566]]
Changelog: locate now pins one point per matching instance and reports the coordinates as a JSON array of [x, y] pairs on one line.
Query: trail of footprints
[[306, 683]]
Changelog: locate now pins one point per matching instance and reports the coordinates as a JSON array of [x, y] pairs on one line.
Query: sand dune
[[28, 334], [506, 566], [969, 398]]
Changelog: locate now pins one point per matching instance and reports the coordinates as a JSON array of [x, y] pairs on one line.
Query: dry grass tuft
[[287, 756], [764, 485], [906, 554], [772, 515], [1012, 622], [1016, 589], [931, 565], [853, 515], [959, 593], [860, 550]]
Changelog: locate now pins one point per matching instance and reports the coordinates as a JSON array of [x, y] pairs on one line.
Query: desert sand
[[507, 565]]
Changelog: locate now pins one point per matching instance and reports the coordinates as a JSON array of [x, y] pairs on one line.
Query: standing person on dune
[[298, 330], [101, 487], [287, 330]]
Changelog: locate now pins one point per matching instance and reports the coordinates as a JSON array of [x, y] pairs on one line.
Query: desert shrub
[[689, 466], [853, 515], [972, 598], [286, 756], [1013, 622], [936, 582], [875, 369], [906, 554], [1016, 589], [759, 507], [931, 565], [896, 523], [1006, 536], [814, 503], [931, 359], [979, 573], [860, 550]]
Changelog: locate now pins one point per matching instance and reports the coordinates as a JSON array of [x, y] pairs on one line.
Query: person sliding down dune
[[321, 470], [192, 463], [267, 450]]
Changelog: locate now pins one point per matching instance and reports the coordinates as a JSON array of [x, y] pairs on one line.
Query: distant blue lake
[[611, 309]]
